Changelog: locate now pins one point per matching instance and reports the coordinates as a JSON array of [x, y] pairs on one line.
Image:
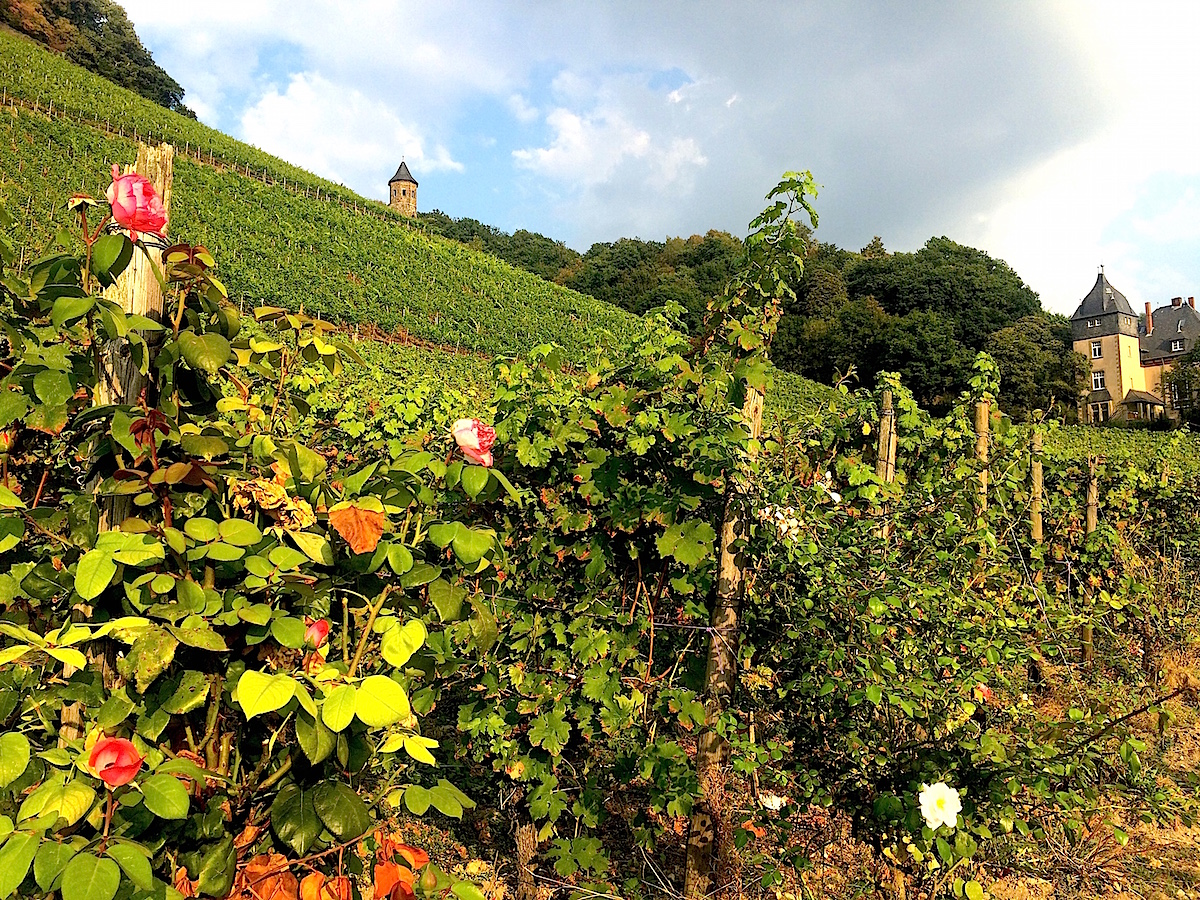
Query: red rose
[[318, 630], [475, 440], [135, 204], [115, 761]]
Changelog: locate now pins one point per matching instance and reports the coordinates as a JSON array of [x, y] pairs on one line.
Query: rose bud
[[115, 761], [317, 632]]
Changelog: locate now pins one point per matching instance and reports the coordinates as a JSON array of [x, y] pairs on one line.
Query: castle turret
[[1105, 329], [403, 191]]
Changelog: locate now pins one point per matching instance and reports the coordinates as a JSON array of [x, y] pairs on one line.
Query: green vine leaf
[[259, 693]]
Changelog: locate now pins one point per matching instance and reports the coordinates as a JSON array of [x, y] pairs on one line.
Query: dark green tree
[[1038, 368]]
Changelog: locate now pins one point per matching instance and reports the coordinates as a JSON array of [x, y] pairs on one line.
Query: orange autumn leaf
[[360, 528], [183, 884], [415, 856], [266, 877], [388, 876], [317, 887]]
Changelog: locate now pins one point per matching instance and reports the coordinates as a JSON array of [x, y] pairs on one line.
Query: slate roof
[[402, 174], [1141, 397], [1171, 323], [1099, 396], [1101, 300]]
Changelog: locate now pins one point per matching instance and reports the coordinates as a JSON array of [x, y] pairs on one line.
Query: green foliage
[[1038, 369], [97, 35]]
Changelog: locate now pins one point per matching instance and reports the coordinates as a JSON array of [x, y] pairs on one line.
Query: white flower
[[770, 801], [940, 805]]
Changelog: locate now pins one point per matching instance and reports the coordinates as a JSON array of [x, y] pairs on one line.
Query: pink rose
[[135, 204], [475, 440], [115, 761], [318, 630]]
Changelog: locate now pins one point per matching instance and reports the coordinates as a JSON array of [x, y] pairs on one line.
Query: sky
[[1057, 135]]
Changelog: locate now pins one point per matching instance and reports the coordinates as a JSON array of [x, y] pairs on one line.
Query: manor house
[[1129, 355]]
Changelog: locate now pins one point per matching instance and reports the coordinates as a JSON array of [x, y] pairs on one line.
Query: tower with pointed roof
[[1104, 328], [402, 191]]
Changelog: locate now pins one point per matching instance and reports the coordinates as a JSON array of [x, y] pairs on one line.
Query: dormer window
[[1177, 346], [1093, 323], [1180, 328]]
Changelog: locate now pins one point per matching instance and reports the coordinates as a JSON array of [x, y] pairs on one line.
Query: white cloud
[[585, 149], [522, 109], [339, 133]]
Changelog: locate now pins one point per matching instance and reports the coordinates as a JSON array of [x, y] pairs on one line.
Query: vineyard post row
[[197, 153], [885, 470]]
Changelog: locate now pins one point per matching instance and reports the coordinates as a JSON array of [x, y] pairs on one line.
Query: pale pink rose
[[136, 206], [475, 440]]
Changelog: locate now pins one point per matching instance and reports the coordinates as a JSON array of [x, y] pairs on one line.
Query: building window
[[1097, 351], [1176, 346], [1099, 412], [1093, 323], [1097, 381]]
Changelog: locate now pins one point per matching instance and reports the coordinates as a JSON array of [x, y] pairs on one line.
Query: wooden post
[[709, 831], [1035, 502], [885, 453], [1087, 647], [983, 411], [121, 382]]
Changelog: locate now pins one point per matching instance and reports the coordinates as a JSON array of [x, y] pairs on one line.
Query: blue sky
[[1055, 135]]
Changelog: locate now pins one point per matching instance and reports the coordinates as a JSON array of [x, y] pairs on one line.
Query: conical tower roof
[[402, 174], [1102, 299]]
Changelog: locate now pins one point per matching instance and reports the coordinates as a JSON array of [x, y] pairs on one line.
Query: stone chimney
[[1149, 319], [1177, 301], [1192, 302]]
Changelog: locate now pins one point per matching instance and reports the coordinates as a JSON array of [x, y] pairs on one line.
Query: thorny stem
[[108, 814]]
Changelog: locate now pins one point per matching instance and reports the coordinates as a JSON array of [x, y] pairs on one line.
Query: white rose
[[940, 805]]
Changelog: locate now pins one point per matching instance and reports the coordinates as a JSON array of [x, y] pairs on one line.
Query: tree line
[[924, 314]]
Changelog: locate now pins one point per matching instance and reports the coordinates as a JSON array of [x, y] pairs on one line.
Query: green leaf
[[399, 558], [203, 445], [66, 309], [688, 542], [207, 352], [217, 868], [110, 255], [166, 796], [14, 757], [417, 799], [315, 738], [381, 702], [447, 599], [51, 859], [294, 819], [465, 890], [551, 731], [315, 546], [134, 863], [94, 573], [445, 802], [289, 631], [12, 529], [16, 856], [239, 532], [149, 657], [341, 810], [192, 691], [470, 545], [89, 877], [419, 574], [259, 693], [474, 479], [116, 709], [201, 529], [53, 388], [974, 890], [418, 748], [338, 709], [400, 642]]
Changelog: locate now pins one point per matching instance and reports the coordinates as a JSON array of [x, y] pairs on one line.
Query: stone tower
[[403, 188]]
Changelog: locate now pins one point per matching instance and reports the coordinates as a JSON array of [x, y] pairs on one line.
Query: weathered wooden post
[[1035, 500], [983, 412], [709, 812], [885, 454], [121, 382], [1087, 647]]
